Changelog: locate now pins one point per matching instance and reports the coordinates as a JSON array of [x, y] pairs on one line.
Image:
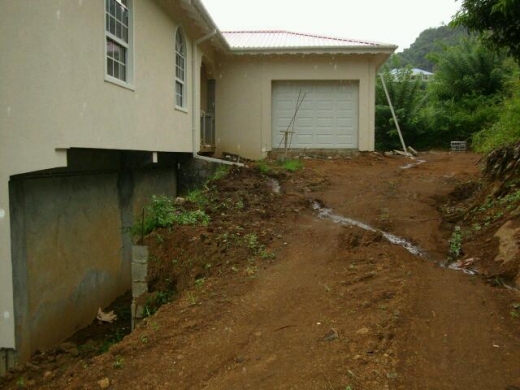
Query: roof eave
[[383, 49], [210, 23]]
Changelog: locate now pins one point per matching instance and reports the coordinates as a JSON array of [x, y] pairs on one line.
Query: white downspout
[[196, 99]]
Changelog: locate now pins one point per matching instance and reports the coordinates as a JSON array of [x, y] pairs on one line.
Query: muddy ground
[[271, 296]]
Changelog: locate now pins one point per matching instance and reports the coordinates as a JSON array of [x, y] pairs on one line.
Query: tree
[[431, 40], [496, 21], [467, 89], [408, 97]]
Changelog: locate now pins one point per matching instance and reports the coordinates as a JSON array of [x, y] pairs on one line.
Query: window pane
[[179, 94], [110, 67], [112, 7], [122, 72], [116, 70], [112, 26], [119, 33]]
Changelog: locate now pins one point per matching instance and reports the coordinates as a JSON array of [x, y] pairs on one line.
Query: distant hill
[[429, 41]]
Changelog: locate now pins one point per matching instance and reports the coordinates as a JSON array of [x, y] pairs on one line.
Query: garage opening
[[327, 118]]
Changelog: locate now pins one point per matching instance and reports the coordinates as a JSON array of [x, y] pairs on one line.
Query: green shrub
[[507, 128], [163, 212]]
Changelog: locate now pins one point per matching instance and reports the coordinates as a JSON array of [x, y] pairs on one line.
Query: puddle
[[328, 214], [414, 164]]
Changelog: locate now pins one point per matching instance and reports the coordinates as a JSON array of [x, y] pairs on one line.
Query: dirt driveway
[[339, 308]]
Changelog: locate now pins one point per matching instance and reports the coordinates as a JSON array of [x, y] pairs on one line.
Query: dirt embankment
[[270, 296]]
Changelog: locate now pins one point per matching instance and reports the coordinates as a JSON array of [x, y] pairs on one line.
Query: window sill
[[119, 83], [181, 109]]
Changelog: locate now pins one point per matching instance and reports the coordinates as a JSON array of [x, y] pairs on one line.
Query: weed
[[265, 255], [239, 205], [118, 363], [111, 339], [191, 298], [162, 211], [155, 301], [144, 339], [254, 244], [455, 243], [515, 313], [200, 282], [292, 165], [198, 197], [159, 238], [234, 268], [20, 382], [221, 172], [251, 270], [264, 166]]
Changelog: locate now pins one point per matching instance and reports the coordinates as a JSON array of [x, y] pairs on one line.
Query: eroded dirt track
[[338, 308]]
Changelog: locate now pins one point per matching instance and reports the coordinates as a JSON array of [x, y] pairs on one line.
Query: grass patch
[[292, 165]]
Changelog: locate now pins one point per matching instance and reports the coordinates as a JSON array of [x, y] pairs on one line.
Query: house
[[415, 73], [106, 102]]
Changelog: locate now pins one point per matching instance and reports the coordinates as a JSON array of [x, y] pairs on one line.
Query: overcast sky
[[389, 21]]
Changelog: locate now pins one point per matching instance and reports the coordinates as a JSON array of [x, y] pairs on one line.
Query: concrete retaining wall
[[71, 251]]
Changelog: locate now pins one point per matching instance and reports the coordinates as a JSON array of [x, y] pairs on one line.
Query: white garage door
[[327, 118]]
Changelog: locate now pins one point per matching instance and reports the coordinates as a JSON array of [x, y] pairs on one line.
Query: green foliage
[[118, 364], [221, 172], [162, 211], [198, 197], [264, 166], [113, 338], [432, 40], [496, 21], [156, 300], [506, 130], [292, 165], [466, 92], [455, 242], [515, 313], [409, 97]]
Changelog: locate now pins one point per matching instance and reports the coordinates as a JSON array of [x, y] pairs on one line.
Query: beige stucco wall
[[53, 96], [243, 104]]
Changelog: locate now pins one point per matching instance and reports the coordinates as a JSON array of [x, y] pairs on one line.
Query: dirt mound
[[487, 213], [271, 296]]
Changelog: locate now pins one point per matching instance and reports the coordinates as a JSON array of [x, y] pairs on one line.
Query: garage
[[326, 119]]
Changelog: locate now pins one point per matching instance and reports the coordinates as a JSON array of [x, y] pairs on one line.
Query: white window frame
[[181, 81], [128, 46]]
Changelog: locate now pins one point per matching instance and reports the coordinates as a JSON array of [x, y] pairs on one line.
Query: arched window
[[180, 69]]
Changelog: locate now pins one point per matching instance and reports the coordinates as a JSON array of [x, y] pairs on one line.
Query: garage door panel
[[304, 122], [324, 122], [327, 118], [344, 140], [345, 122]]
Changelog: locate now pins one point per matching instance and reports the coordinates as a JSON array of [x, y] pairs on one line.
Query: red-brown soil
[[337, 308]]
